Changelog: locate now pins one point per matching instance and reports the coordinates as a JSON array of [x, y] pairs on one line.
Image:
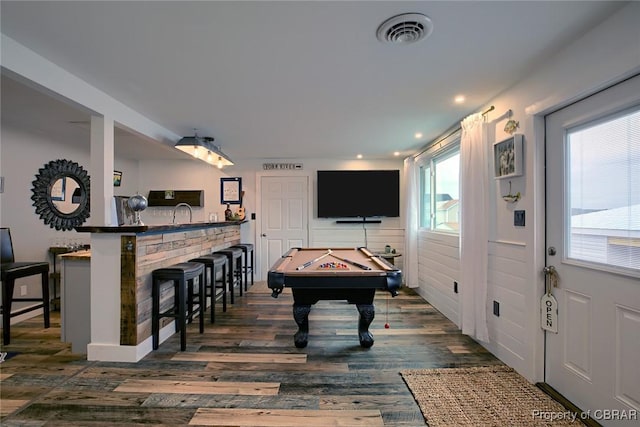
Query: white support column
[[105, 249], [101, 170]]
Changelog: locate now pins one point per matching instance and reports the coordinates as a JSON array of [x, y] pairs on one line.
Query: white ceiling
[[287, 79]]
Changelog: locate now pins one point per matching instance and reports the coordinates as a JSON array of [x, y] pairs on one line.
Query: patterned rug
[[485, 396]]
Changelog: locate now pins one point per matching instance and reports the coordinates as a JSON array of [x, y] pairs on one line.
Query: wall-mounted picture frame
[[231, 191], [507, 157], [58, 189], [117, 178]]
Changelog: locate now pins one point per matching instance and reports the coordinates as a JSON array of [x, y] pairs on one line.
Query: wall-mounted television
[[358, 193]]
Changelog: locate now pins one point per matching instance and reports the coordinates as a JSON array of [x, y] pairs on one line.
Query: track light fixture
[[202, 148]]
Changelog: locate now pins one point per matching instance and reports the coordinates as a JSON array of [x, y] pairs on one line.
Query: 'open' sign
[[549, 313]]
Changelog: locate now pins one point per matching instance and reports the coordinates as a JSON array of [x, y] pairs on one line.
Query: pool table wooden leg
[[367, 313], [301, 316]]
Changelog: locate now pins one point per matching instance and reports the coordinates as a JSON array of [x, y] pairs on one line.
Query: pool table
[[315, 274]]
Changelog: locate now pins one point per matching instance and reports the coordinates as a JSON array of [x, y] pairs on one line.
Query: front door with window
[[593, 242]]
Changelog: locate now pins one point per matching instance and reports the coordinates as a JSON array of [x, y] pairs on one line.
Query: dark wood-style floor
[[243, 371]]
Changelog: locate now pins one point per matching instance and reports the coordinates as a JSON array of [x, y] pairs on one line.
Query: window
[[604, 191], [425, 212], [440, 181]]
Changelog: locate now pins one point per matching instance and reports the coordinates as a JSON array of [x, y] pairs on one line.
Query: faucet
[[185, 205]]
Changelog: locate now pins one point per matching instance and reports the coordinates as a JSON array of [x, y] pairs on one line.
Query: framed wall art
[[507, 157], [231, 191]]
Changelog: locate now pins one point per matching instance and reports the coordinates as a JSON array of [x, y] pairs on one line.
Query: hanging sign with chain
[[549, 315], [548, 303]]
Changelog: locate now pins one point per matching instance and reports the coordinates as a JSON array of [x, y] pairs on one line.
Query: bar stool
[[216, 263], [234, 256], [182, 275], [11, 271], [247, 249]]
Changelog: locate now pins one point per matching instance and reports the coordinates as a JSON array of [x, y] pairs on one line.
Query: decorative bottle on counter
[[227, 213]]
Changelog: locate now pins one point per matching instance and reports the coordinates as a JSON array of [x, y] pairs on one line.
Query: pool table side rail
[[302, 255], [389, 276]]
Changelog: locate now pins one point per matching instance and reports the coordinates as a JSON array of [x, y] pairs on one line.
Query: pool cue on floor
[[313, 261], [357, 264]]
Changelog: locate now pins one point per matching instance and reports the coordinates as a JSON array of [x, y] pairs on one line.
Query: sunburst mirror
[[61, 194]]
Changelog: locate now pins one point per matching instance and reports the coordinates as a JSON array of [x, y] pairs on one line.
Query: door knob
[[263, 235]]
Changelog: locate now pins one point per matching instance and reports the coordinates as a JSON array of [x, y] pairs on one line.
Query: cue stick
[[357, 264], [313, 261]]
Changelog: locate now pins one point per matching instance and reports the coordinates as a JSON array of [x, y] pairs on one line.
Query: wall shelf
[[173, 197]]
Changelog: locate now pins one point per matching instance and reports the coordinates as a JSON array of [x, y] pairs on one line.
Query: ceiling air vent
[[405, 29]]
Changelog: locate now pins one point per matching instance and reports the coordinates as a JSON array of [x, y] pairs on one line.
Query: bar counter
[[138, 229], [122, 261]]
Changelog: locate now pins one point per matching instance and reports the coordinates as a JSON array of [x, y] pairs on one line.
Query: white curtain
[[411, 197], [474, 227]]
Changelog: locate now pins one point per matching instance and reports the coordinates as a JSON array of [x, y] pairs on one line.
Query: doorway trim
[[259, 210]]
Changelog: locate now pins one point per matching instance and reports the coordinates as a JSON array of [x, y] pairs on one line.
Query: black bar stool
[[234, 256], [247, 249], [11, 271], [182, 275], [216, 263]]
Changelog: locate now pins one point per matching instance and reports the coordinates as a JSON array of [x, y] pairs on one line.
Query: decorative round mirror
[[61, 194]]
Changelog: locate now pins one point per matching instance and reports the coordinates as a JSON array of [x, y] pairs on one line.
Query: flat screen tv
[[358, 193]]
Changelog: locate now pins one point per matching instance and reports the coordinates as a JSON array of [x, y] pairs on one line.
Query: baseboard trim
[[588, 421]]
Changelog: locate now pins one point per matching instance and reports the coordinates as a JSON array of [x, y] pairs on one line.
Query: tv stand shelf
[[358, 221]]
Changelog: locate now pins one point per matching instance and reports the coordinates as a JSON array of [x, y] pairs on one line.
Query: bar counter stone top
[[156, 228]]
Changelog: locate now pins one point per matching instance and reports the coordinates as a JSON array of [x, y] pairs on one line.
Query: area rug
[[483, 396]]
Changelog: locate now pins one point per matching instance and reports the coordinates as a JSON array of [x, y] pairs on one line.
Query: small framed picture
[[507, 157], [117, 178], [230, 191]]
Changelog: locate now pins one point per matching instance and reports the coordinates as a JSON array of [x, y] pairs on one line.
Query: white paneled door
[[284, 201], [593, 254]]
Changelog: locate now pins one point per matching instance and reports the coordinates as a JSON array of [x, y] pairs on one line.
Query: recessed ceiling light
[[418, 135], [396, 153], [359, 156], [459, 99]]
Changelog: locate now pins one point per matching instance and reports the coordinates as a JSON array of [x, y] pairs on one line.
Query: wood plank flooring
[[243, 371]]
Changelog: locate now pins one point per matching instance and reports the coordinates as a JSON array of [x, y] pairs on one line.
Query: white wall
[[24, 151], [608, 53], [325, 232], [181, 175], [130, 174]]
